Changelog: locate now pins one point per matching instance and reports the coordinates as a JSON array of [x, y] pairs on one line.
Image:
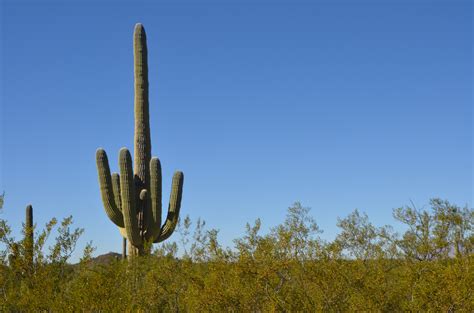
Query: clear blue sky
[[337, 105]]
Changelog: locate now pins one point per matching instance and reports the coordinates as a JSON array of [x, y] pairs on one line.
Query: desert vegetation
[[132, 199], [424, 266], [427, 267]]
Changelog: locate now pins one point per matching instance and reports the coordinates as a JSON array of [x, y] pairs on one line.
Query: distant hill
[[106, 258]]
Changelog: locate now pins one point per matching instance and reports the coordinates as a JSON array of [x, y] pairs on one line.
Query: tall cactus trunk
[[142, 141], [142, 147], [134, 251]]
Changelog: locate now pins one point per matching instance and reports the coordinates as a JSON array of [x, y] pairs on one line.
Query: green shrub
[[365, 268]]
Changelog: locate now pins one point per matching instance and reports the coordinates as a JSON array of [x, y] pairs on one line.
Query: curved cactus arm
[[154, 223], [122, 231], [173, 208], [118, 200], [127, 192], [116, 189], [106, 189]]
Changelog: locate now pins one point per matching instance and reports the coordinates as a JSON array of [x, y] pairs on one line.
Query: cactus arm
[[173, 208], [141, 215], [143, 194], [127, 192], [122, 231], [106, 189], [154, 223], [116, 190], [118, 199]]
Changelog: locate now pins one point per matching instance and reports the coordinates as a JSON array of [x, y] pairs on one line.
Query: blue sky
[[334, 104]]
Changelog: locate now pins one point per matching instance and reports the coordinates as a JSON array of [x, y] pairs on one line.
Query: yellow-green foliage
[[365, 268]]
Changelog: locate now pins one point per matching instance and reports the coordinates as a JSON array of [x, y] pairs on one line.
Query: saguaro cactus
[[29, 240], [132, 199]]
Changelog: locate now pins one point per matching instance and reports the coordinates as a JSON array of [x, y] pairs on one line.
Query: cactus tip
[[139, 27], [155, 160], [123, 150]]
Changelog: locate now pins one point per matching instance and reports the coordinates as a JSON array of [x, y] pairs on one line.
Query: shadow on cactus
[[132, 199]]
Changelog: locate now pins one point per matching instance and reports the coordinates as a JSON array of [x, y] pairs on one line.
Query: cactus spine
[[132, 199]]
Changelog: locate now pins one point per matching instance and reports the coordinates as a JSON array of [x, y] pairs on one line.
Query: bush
[[366, 268]]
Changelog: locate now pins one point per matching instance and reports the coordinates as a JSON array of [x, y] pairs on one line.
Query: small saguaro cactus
[[29, 240], [132, 199]]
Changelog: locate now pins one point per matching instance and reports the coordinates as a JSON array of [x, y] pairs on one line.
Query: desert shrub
[[428, 267]]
